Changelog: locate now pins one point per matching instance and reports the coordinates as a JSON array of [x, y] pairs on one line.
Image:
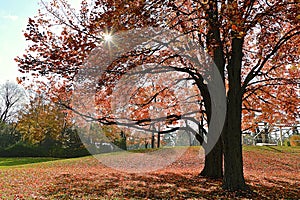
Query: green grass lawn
[[281, 149], [9, 162]]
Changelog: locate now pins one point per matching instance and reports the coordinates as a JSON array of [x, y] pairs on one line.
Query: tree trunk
[[233, 162], [158, 140], [213, 167], [152, 141]]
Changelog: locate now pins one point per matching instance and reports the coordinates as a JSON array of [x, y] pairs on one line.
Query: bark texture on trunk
[[213, 167], [233, 162]]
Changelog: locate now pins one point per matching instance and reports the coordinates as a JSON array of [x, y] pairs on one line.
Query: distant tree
[[71, 138], [12, 98], [42, 121], [295, 130], [8, 135], [121, 142]]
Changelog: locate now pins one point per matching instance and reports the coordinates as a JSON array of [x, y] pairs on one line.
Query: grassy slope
[[274, 149], [16, 162], [271, 172]]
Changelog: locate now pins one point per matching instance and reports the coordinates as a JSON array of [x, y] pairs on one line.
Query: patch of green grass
[[8, 162], [279, 149], [143, 150]]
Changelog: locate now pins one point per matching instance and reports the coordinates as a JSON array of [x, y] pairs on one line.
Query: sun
[[107, 37]]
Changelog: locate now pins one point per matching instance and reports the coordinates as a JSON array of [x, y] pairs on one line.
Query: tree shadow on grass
[[273, 188], [159, 186]]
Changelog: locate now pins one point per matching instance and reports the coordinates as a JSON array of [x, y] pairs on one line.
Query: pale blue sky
[[13, 19]]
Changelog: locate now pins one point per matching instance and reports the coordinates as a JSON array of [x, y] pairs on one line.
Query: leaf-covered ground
[[271, 172]]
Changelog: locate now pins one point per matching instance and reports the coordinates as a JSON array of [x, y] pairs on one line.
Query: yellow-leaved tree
[[41, 121]]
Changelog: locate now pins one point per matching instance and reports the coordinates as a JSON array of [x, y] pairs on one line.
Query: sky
[[14, 15], [13, 19]]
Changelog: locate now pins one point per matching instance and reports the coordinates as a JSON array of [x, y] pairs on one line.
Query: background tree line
[[32, 126]]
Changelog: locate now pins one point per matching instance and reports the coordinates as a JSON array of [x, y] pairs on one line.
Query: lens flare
[[107, 37]]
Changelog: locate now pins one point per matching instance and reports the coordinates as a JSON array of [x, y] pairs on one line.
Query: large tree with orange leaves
[[252, 42]]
